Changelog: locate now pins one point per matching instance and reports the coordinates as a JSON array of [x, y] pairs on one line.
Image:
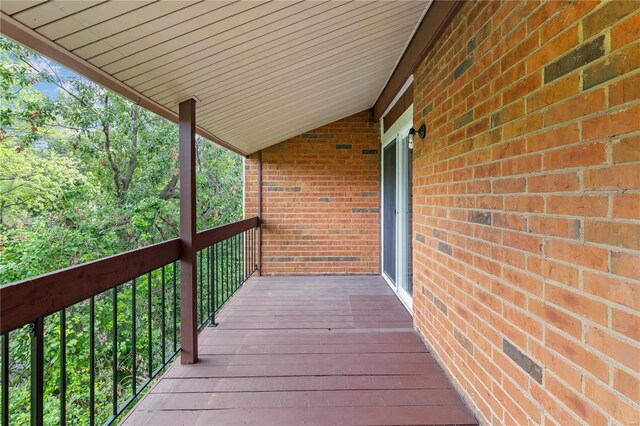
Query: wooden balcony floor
[[307, 350]]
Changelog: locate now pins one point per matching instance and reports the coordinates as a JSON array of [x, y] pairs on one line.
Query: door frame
[[397, 132]]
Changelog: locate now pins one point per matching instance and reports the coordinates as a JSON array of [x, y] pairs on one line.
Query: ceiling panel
[[262, 71]]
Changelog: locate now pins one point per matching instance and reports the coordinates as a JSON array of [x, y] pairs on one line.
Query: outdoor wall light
[[422, 132]]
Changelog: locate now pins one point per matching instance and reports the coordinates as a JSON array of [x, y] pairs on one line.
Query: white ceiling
[[261, 71]]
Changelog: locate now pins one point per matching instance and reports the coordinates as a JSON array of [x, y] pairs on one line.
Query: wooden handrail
[[24, 301], [211, 236]]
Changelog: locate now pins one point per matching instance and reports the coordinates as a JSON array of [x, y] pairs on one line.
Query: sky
[[51, 90]]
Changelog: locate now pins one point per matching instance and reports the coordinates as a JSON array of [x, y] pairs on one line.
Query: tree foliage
[[85, 174]]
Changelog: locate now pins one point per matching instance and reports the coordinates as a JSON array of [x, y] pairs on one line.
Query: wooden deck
[[307, 350]]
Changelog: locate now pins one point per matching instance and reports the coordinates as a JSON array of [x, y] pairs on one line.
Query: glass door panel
[[389, 211]]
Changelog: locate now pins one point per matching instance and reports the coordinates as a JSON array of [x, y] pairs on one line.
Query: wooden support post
[[260, 213], [188, 270]]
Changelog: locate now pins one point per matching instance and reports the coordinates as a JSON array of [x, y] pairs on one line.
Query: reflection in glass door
[[389, 211]]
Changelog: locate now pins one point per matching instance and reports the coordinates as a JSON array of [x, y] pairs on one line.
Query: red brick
[[555, 317], [626, 323], [627, 149], [555, 227], [626, 90], [522, 165], [606, 15], [587, 256], [577, 303], [578, 354], [554, 49], [611, 403], [524, 203], [574, 141], [613, 289], [554, 92], [509, 221], [506, 186], [554, 138], [622, 177], [569, 14], [530, 243], [333, 212], [576, 402], [612, 124], [594, 206], [575, 156], [557, 182], [555, 271], [579, 106], [626, 206], [626, 384], [616, 234], [626, 31], [522, 88], [623, 352], [625, 264], [523, 126]]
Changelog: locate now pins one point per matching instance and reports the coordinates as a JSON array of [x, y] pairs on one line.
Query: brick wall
[[527, 209], [321, 196]]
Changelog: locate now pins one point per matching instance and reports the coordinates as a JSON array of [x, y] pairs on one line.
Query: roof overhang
[[262, 71]]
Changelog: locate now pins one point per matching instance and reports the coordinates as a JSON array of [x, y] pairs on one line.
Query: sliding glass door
[[397, 214]]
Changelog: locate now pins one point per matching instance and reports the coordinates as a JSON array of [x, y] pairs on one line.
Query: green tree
[[85, 174]]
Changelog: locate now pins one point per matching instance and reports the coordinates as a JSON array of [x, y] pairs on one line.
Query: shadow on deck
[[307, 350]]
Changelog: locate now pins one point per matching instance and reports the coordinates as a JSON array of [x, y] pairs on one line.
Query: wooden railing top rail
[[24, 301], [211, 236]]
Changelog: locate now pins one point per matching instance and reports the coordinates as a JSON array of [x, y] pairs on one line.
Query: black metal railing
[[88, 362], [222, 269], [79, 345]]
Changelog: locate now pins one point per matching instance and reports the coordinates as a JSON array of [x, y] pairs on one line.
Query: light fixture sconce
[[422, 132]]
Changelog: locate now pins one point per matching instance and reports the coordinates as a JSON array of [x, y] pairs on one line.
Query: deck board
[[307, 350]]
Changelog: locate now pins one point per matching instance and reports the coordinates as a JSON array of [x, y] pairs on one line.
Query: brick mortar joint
[[542, 343], [532, 275], [546, 239], [547, 371], [467, 400]]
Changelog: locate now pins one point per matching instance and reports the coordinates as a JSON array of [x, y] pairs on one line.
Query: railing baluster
[[5, 379], [133, 337], [230, 286], [200, 283], [209, 282], [236, 238], [163, 319], [114, 361], [175, 306], [255, 245], [223, 260], [245, 252], [218, 263], [237, 262], [149, 331], [63, 367], [92, 360], [212, 291], [37, 375], [232, 240]]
